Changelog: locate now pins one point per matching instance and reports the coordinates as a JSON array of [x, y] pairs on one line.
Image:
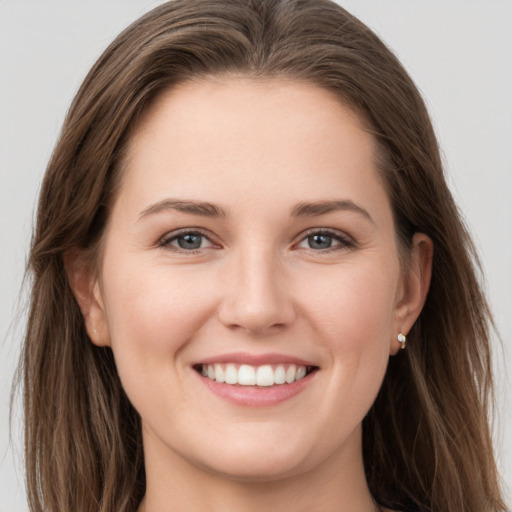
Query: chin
[[259, 461], [263, 469]]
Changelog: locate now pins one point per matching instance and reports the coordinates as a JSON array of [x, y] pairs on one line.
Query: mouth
[[262, 376]]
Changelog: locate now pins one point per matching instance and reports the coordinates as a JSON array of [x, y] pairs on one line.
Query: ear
[[86, 288], [414, 287]]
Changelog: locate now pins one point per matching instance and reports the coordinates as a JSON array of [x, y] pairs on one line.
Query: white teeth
[[280, 375], [247, 375], [301, 373], [265, 376], [219, 373], [291, 374], [231, 374]]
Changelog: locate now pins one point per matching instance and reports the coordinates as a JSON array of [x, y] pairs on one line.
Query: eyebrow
[[206, 209], [201, 208], [315, 209]]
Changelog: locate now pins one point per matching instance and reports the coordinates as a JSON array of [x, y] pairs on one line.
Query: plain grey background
[[459, 52]]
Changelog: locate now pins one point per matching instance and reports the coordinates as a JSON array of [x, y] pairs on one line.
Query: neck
[[335, 485]]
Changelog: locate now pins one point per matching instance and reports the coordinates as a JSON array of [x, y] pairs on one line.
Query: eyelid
[[345, 240], [165, 240]]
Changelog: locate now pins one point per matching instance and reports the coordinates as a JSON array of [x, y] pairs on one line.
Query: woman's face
[[251, 241]]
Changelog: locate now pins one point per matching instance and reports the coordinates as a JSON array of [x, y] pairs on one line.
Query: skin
[[255, 149]]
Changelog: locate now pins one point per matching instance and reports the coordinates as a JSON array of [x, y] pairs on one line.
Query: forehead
[[258, 109], [209, 137], [231, 92]]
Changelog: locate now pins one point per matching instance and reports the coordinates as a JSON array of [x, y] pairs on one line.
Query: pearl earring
[[402, 339]]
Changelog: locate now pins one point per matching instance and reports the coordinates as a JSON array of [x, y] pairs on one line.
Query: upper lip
[[255, 359]]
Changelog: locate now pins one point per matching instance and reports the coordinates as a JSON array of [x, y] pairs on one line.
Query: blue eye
[[323, 241], [190, 241], [319, 241], [187, 241]]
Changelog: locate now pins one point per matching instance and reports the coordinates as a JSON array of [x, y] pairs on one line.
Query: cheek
[[353, 317], [359, 339], [353, 305], [153, 315], [154, 312]]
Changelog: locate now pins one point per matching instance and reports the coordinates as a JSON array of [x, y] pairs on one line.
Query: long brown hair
[[426, 440]]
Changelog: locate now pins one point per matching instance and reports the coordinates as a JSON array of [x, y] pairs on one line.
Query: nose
[[257, 297]]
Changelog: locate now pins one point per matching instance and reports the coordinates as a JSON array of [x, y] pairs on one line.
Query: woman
[[251, 219]]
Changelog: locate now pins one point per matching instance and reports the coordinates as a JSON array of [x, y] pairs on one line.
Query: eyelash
[[166, 240], [345, 242]]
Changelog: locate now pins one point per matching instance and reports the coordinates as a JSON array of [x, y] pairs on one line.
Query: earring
[[402, 339]]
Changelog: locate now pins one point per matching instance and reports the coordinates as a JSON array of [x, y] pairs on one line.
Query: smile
[[247, 375], [255, 380]]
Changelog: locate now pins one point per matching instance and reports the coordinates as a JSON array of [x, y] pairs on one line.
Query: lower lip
[[253, 396]]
